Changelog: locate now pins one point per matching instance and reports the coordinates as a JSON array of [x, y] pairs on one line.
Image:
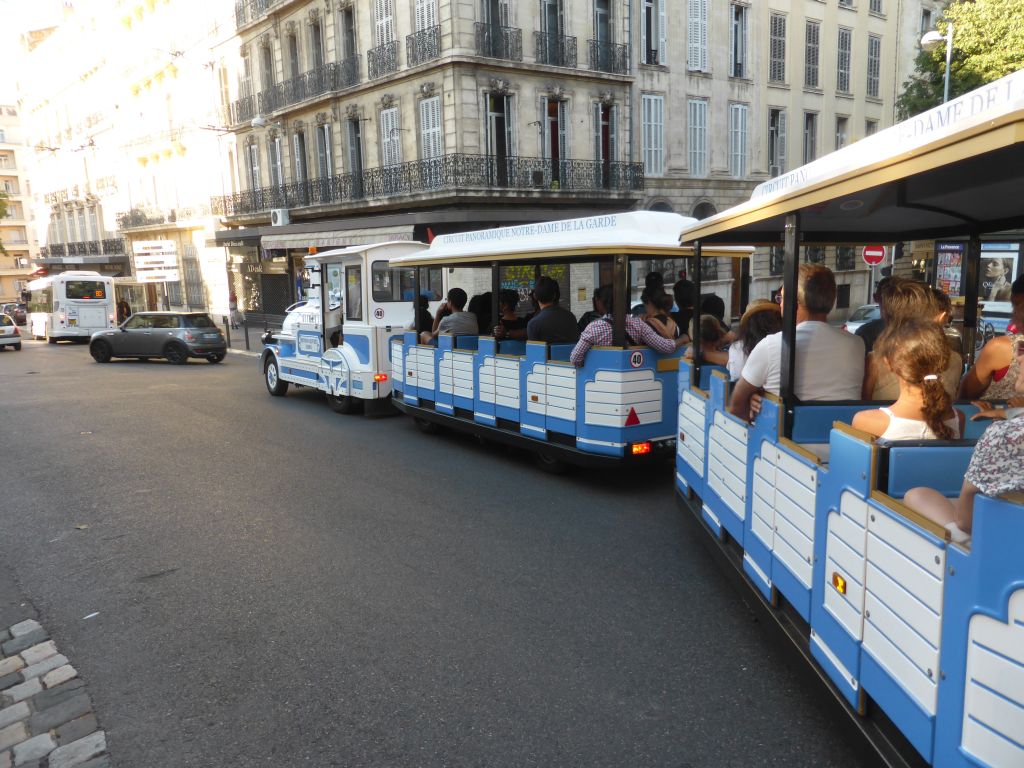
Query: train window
[[395, 284], [333, 286], [354, 293]]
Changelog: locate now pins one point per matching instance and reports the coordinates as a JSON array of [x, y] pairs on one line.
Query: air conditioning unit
[[279, 217]]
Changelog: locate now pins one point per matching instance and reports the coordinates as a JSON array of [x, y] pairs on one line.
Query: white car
[[9, 334], [860, 316]]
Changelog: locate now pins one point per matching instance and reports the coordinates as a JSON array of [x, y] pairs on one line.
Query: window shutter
[[613, 129], [391, 144], [643, 33], [597, 132], [354, 160], [385, 22], [420, 15], [782, 141], [563, 131], [693, 34], [505, 11], [300, 170], [662, 31], [254, 167], [430, 127]]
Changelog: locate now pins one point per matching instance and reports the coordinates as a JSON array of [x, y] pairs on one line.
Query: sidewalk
[[253, 331]]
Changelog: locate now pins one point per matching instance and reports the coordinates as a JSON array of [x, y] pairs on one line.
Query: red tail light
[[641, 449], [189, 336], [16, 332], [380, 377]]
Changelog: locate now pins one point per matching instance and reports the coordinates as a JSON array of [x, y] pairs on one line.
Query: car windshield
[[200, 321], [864, 313], [5, 320]]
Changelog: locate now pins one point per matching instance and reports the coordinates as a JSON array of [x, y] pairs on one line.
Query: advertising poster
[[998, 270], [948, 265]]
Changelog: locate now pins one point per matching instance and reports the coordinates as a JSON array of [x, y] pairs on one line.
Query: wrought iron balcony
[[243, 110], [445, 174], [318, 82], [250, 10], [422, 46], [147, 217], [382, 60], [609, 57], [497, 42], [113, 245], [556, 50]]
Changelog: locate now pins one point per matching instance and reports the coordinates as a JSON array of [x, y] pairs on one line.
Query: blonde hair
[[917, 352], [816, 289]]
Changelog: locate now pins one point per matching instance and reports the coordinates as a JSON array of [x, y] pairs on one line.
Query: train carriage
[[620, 405], [901, 620]]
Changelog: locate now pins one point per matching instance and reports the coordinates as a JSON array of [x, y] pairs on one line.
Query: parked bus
[[71, 305]]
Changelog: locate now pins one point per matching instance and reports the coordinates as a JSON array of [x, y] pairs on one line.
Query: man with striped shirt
[[599, 332]]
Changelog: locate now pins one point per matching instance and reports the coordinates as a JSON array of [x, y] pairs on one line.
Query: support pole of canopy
[[971, 275], [695, 322], [416, 302], [791, 269], [620, 283], [744, 284], [495, 290]]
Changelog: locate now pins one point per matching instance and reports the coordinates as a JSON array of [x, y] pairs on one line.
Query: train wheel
[[425, 426], [550, 464], [342, 403], [272, 377]]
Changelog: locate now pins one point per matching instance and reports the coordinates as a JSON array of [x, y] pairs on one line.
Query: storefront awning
[[337, 238]]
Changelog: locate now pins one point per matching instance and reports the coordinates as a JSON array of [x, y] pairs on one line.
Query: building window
[[431, 138], [846, 3], [254, 166], [324, 152], [926, 21], [875, 6], [654, 134], [814, 254], [274, 161], [738, 140], [390, 137], [845, 258], [738, 41], [776, 141], [842, 131], [697, 35], [777, 49], [652, 32], [384, 22], [810, 136], [870, 127], [812, 34], [776, 260], [874, 64], [3, 136], [316, 43], [697, 112], [606, 118], [843, 61]]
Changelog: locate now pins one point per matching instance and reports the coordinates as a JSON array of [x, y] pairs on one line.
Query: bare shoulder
[[873, 422]]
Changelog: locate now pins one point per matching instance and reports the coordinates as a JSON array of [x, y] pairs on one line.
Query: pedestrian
[[233, 314], [124, 311]]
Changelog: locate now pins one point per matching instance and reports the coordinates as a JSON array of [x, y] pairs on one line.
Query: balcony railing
[[556, 50], [147, 217], [496, 42], [309, 85], [250, 10], [114, 245], [243, 110], [609, 57], [422, 46], [382, 60], [441, 174]]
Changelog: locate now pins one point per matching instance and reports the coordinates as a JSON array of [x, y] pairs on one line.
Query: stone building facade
[[17, 233]]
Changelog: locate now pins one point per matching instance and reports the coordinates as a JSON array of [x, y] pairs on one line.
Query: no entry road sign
[[873, 255]]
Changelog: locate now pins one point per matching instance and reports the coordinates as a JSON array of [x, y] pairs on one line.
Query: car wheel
[[176, 354], [342, 403], [216, 357], [50, 339], [272, 376], [100, 351], [17, 347]]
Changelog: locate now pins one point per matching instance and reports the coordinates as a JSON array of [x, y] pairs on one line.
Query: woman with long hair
[[917, 353], [762, 318]]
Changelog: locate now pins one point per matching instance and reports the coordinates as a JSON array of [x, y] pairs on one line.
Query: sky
[[18, 16]]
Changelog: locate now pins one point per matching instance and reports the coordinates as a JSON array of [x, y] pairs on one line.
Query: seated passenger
[[995, 469], [713, 340], [597, 312], [552, 324], [451, 318], [510, 325], [682, 292], [480, 305], [423, 317], [653, 282], [904, 300], [657, 306], [915, 351], [761, 318], [713, 304], [872, 329], [599, 332], [998, 373], [829, 362]]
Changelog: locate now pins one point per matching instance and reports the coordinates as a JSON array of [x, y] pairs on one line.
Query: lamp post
[[930, 42]]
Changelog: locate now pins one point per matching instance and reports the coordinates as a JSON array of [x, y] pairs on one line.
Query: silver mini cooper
[[176, 336]]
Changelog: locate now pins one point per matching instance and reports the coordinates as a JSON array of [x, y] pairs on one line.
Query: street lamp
[[930, 42]]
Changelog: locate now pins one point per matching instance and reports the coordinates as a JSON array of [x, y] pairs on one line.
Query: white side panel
[[845, 547], [903, 603], [795, 490], [506, 382], [462, 374], [690, 445], [763, 504], [727, 462], [421, 363], [994, 694], [560, 384], [487, 380], [397, 361], [536, 389], [445, 372], [613, 395]]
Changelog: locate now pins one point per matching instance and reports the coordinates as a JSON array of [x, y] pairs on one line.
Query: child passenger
[[917, 353]]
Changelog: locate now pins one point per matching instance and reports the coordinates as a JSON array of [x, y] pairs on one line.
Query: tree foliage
[[988, 43], [3, 214]]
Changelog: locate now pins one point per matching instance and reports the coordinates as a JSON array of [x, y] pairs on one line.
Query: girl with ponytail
[[916, 351]]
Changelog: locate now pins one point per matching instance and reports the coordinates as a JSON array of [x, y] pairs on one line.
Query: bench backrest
[[938, 464]]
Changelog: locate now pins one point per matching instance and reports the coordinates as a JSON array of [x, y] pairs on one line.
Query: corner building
[[363, 121]]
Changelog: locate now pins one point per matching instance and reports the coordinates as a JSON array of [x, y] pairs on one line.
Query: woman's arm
[[870, 377], [995, 355]]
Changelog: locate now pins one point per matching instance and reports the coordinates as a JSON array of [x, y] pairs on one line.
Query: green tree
[[3, 213], [988, 43]]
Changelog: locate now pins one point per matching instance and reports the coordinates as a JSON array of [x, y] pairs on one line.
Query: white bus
[[71, 305]]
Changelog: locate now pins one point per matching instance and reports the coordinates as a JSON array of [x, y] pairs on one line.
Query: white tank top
[[912, 429]]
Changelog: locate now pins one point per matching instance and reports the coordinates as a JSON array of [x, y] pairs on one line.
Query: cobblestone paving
[[46, 717]]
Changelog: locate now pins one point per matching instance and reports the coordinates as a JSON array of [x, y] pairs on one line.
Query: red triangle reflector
[[632, 420]]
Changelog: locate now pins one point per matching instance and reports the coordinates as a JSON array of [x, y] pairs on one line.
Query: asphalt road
[[278, 585]]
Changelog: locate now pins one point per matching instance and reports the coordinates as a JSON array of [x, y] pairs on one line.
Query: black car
[[17, 310], [176, 336]]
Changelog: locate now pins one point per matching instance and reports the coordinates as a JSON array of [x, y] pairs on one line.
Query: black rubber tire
[[550, 464], [216, 357], [17, 347], [100, 351], [50, 339], [272, 378], [342, 403], [176, 354], [425, 426]]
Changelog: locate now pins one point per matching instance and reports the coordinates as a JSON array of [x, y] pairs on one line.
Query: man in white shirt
[[829, 362]]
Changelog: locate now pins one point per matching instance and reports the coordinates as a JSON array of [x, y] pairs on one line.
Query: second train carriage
[[619, 405], [898, 617]]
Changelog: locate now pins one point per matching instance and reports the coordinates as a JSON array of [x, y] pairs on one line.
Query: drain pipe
[[629, 91]]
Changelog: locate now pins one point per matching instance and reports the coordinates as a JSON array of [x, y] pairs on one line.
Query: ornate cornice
[[387, 100], [313, 16], [351, 112], [500, 85], [427, 89], [322, 117]]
